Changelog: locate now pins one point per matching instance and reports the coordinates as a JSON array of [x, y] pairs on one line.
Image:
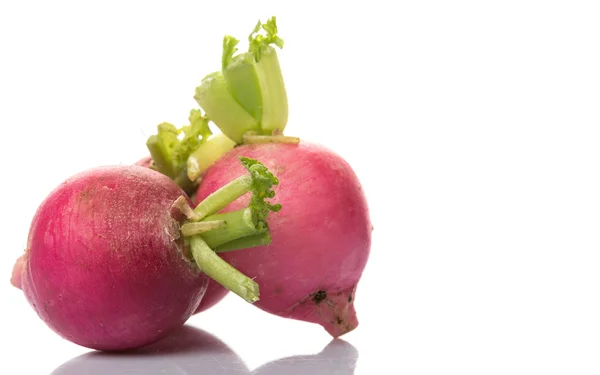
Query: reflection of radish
[[186, 351], [339, 357], [320, 239]]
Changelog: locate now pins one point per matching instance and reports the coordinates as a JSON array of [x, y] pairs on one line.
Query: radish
[[112, 263], [246, 100], [320, 240], [310, 265], [105, 265]]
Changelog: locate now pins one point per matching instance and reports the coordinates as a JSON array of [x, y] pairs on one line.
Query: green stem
[[243, 84], [249, 93], [224, 111], [273, 92], [260, 239], [222, 272], [223, 196], [207, 154], [160, 156], [183, 181], [192, 229], [238, 224]]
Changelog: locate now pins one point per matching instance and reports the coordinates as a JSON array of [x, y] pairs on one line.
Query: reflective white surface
[[473, 126], [231, 338], [193, 351]]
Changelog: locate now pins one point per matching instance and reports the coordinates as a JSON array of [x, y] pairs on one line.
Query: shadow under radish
[[191, 351], [187, 351], [337, 358]]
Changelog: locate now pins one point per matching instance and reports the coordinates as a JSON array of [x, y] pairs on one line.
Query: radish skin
[[214, 294], [320, 239], [105, 265]]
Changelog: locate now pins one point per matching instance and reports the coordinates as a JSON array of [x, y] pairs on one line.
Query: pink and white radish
[[320, 240], [105, 265], [309, 267], [113, 264]]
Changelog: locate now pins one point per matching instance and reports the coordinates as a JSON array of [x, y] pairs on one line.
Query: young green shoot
[[248, 94], [207, 154], [171, 147]]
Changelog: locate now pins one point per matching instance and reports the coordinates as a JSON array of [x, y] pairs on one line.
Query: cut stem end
[[257, 139], [182, 205], [191, 229]]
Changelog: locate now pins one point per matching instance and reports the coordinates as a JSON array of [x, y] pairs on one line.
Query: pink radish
[[320, 239], [107, 265]]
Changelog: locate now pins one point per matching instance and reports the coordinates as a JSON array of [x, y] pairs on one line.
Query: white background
[[473, 126]]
